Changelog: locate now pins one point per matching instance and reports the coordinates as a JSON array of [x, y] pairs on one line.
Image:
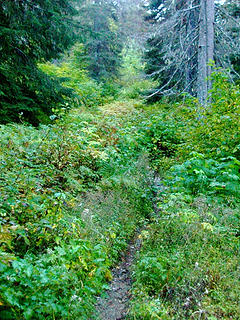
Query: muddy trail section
[[115, 305]]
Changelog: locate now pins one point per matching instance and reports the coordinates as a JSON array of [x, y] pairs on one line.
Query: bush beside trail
[[188, 265], [72, 194]]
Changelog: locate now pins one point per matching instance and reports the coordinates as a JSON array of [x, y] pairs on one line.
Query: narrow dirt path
[[115, 305]]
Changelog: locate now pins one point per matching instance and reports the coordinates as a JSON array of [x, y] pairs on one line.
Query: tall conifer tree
[[185, 39], [31, 31]]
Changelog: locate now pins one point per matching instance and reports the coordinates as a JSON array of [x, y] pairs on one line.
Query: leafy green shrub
[[109, 91], [43, 170], [148, 308], [73, 72], [187, 263], [187, 266], [72, 194], [87, 92], [51, 285], [199, 175], [152, 272], [214, 129], [161, 138]]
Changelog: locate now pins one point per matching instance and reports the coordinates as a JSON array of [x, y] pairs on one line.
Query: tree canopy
[[31, 31]]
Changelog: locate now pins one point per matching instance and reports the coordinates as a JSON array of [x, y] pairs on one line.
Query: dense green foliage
[[103, 42], [58, 237], [29, 33], [74, 74], [43, 32], [75, 191], [188, 263], [187, 267], [102, 163], [213, 130]]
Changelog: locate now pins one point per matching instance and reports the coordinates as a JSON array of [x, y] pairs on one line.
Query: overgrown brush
[[72, 194], [212, 130], [188, 265], [73, 72]]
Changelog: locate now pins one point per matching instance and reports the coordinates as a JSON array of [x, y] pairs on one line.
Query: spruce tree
[[31, 32], [184, 41], [102, 42]]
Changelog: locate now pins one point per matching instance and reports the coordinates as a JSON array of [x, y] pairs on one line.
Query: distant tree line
[[181, 39], [43, 30], [31, 31]]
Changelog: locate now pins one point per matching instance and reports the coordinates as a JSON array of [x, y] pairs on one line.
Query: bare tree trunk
[[206, 48], [192, 22], [210, 38], [202, 54]]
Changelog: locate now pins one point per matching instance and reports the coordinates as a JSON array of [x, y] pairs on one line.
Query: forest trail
[[115, 305]]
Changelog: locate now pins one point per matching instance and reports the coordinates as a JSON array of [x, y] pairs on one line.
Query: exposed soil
[[115, 305]]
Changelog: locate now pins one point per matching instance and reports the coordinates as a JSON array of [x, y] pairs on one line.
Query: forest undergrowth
[[106, 165], [188, 266], [74, 192]]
